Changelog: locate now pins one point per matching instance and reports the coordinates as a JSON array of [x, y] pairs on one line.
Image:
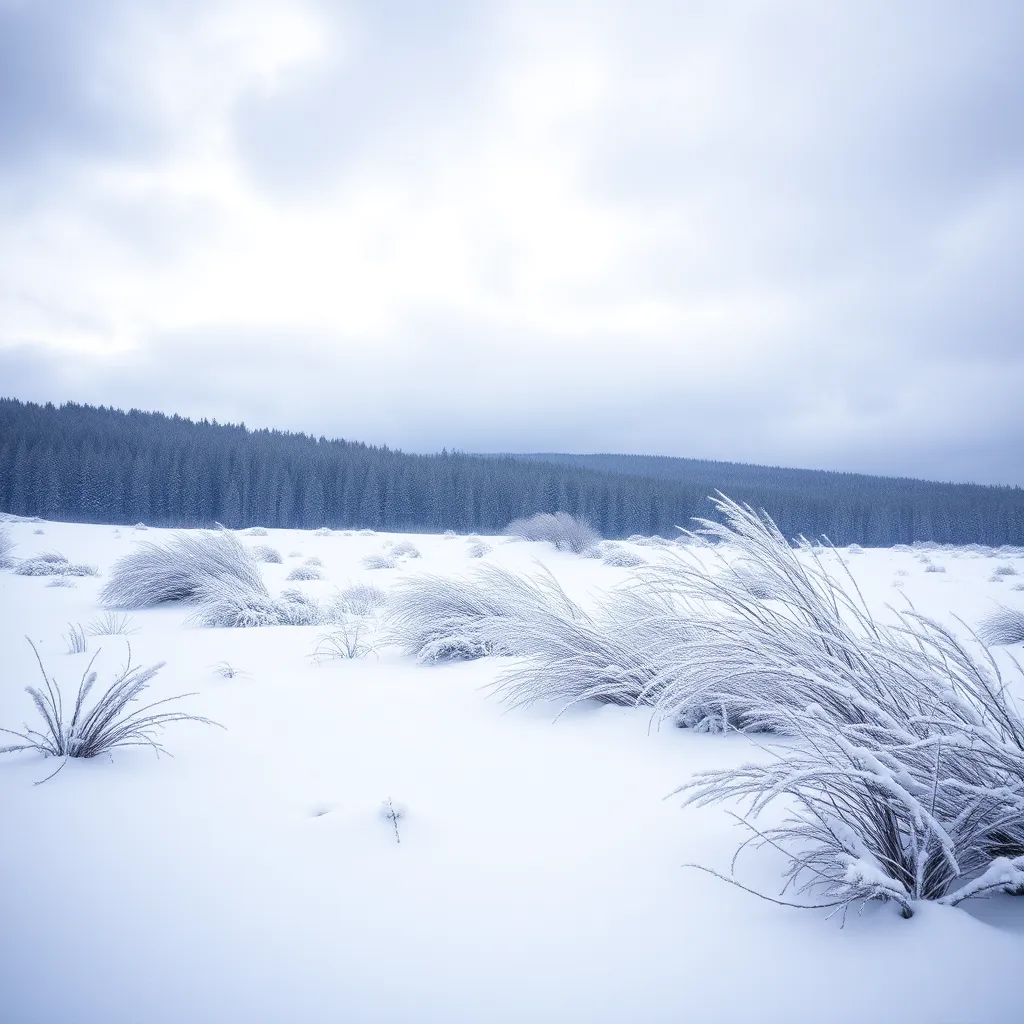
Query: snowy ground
[[539, 876]]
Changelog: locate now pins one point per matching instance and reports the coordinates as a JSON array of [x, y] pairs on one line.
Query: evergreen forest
[[90, 464]]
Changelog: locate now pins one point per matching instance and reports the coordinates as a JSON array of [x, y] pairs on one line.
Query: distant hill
[[728, 476], [99, 465]]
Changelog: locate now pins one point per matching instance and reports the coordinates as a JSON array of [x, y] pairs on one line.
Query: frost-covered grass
[[188, 567], [376, 561], [75, 639], [266, 554], [479, 549], [52, 563], [348, 639], [405, 549], [566, 654], [622, 558], [907, 782], [1005, 626], [361, 598], [566, 532], [305, 572], [111, 624], [109, 723], [442, 618]]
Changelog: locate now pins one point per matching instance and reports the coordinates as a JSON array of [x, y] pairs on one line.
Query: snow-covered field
[[538, 874]]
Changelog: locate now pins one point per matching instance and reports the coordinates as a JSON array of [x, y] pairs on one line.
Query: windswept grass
[[188, 567]]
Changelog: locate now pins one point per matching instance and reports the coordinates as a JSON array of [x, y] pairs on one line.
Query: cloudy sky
[[787, 231]]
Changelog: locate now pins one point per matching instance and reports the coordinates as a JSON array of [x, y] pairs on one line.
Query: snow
[[253, 876]]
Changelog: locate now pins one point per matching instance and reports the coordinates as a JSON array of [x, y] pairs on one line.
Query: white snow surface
[[539, 875]]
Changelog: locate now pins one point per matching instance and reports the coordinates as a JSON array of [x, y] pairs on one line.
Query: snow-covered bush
[[62, 582], [323, 532], [1005, 626], [907, 780], [1004, 570], [478, 549], [622, 558], [405, 549], [366, 533], [931, 567], [566, 532], [267, 554], [52, 563], [855, 549], [141, 526], [449, 534], [189, 567], [313, 560], [901, 547], [39, 532], [111, 722], [305, 572], [254, 531], [379, 562]]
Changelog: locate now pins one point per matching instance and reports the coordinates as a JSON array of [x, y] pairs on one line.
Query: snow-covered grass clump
[[305, 572], [566, 532], [52, 563], [188, 567], [622, 558], [266, 554], [441, 618], [109, 723], [479, 549], [379, 562], [361, 598], [907, 780], [405, 549], [254, 531], [1005, 626]]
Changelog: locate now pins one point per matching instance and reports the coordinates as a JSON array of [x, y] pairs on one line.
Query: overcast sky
[[776, 232]]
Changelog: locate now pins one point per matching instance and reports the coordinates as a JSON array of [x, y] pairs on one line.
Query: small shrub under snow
[[305, 572], [254, 531], [379, 562], [405, 549], [266, 554], [622, 558], [478, 549], [566, 532]]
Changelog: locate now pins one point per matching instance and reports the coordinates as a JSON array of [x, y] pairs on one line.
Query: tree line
[[90, 464]]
